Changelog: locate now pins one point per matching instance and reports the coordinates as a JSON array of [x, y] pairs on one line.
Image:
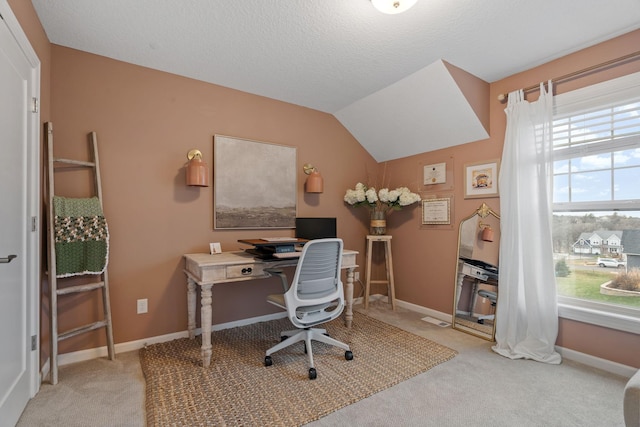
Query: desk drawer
[[472, 271], [244, 270]]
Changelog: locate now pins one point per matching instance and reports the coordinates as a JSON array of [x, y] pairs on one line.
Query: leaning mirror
[[476, 287]]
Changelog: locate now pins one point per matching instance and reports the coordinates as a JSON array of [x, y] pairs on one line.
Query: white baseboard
[[597, 362], [94, 353], [566, 353], [409, 306], [426, 311], [80, 356]]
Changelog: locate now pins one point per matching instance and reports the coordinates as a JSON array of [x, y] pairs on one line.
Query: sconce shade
[[197, 173], [487, 234], [315, 183]]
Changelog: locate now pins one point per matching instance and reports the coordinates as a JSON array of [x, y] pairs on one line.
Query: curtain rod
[[503, 96]]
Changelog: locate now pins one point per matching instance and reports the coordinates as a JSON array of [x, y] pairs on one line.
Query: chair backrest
[[316, 293]]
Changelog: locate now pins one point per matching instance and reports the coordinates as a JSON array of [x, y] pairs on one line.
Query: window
[[596, 199]]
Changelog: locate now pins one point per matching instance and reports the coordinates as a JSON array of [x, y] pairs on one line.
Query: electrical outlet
[[142, 306], [356, 275]]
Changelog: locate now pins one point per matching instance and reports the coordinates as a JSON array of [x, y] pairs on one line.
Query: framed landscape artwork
[[481, 179], [254, 184]]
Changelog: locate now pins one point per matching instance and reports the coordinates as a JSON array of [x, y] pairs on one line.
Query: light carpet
[[237, 389]]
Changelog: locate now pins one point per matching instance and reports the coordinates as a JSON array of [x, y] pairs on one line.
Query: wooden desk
[[206, 270], [478, 276]]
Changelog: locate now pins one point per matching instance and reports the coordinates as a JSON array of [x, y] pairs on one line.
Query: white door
[[18, 239]]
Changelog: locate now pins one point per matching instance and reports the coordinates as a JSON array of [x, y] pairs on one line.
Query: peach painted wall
[[146, 122], [424, 260], [475, 90]]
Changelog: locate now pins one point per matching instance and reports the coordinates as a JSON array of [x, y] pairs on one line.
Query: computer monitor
[[316, 228]]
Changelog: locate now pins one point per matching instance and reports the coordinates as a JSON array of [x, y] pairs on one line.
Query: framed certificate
[[435, 174], [436, 211]]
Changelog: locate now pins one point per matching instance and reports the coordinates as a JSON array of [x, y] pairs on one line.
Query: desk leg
[[474, 297], [205, 313], [348, 291], [191, 308], [459, 284]]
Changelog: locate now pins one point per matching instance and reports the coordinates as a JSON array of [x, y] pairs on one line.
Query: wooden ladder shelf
[[102, 285]]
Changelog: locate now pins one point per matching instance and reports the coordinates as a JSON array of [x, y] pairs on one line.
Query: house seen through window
[[596, 198]]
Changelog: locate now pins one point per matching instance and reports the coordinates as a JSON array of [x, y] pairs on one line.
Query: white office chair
[[493, 299], [314, 297]]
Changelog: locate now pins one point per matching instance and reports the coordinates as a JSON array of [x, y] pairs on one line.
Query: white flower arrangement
[[383, 200]]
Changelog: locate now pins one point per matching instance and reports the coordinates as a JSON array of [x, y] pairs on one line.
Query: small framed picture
[[215, 248], [481, 179]]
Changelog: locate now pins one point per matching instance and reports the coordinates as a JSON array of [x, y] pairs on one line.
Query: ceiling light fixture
[[393, 6]]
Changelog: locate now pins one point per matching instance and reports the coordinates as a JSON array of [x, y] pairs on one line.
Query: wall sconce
[[197, 170], [487, 232], [393, 6], [314, 183]]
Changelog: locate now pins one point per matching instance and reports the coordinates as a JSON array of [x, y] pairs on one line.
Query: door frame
[[33, 197]]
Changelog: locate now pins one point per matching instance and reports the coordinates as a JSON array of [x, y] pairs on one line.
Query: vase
[[378, 225]]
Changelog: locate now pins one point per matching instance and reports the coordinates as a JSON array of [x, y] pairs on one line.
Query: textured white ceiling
[[329, 54]]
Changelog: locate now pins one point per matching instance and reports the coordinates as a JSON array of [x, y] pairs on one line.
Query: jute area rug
[[238, 390]]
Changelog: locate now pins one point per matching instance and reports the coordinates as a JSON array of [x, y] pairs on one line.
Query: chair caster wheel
[[481, 321], [283, 338], [348, 355], [312, 373], [268, 361]]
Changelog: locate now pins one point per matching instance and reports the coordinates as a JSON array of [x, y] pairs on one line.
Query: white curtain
[[527, 311]]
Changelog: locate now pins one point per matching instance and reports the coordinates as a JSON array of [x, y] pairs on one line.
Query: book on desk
[[274, 248]]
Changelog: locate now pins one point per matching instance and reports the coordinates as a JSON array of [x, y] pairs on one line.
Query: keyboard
[[283, 255]]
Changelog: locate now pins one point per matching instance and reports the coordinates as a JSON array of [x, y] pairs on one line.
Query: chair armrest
[[632, 401], [274, 271]]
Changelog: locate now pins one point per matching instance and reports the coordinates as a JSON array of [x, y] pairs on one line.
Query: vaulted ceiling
[[380, 75]]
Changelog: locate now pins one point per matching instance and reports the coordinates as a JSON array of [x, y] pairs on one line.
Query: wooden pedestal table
[[386, 240]]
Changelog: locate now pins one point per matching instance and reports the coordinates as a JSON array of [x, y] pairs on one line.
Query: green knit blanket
[[81, 236]]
